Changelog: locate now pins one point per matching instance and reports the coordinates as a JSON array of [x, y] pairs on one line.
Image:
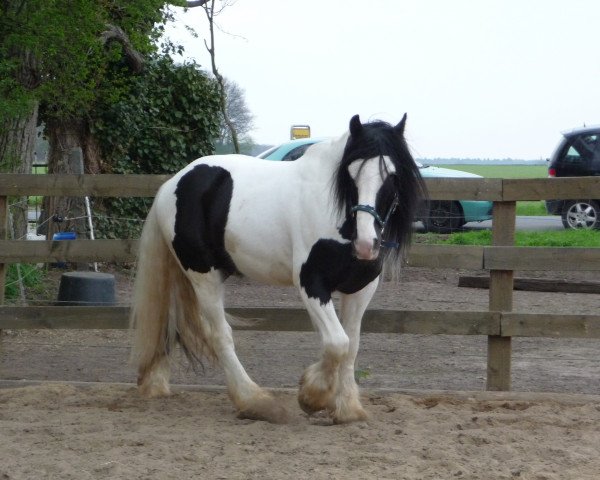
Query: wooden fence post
[[3, 236], [501, 298]]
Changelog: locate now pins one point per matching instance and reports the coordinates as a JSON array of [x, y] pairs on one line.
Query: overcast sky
[[478, 78]]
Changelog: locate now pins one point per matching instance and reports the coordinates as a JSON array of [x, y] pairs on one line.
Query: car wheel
[[581, 214], [444, 217]]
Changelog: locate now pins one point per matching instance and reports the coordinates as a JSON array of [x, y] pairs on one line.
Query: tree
[[239, 115], [20, 78], [209, 9], [57, 56], [59, 60], [120, 43]]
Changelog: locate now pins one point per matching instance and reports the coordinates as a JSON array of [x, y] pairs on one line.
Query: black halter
[[382, 223]]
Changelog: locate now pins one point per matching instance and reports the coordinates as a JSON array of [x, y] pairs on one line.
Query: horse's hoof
[[265, 408], [355, 415], [308, 406], [154, 391], [278, 415], [312, 399]]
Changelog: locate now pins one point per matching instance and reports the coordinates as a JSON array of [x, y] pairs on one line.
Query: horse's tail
[[165, 308]]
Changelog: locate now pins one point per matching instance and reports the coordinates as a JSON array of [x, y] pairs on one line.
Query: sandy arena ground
[[57, 423]]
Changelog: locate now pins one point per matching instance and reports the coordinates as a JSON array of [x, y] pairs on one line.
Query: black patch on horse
[[331, 267], [202, 206]]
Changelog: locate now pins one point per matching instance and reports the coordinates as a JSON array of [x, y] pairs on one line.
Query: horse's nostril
[[376, 243]]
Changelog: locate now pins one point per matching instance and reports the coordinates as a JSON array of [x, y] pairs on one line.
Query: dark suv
[[577, 155]]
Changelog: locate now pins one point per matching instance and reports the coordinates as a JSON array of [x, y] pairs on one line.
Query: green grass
[[536, 208], [531, 208], [38, 170], [564, 238], [503, 171], [31, 276]]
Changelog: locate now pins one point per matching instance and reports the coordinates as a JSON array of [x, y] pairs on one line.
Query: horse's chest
[[331, 267]]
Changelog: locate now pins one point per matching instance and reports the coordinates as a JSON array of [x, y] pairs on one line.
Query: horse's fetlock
[[337, 349]]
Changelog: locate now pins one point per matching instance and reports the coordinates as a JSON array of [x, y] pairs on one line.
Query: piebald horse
[[324, 223]]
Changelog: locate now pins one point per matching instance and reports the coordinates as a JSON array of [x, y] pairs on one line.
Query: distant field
[[503, 171]]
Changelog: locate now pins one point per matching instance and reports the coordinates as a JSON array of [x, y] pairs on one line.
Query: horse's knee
[[220, 339]]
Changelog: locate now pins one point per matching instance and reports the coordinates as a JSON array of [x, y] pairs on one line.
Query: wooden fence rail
[[499, 323], [425, 322]]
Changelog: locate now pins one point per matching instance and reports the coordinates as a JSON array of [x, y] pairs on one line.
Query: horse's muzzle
[[365, 250]]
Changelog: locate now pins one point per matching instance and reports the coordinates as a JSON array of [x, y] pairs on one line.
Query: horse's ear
[[355, 126], [401, 124]]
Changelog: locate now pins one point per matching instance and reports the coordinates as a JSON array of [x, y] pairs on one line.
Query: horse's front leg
[[347, 401], [319, 382]]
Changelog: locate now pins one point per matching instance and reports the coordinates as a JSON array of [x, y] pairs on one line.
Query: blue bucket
[[64, 236]]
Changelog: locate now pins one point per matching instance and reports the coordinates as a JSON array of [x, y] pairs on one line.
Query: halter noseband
[[382, 223], [373, 212]]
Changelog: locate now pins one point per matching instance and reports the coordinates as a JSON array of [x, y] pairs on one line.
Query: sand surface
[[107, 431], [56, 422]]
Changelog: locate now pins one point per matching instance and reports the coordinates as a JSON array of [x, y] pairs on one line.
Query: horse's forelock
[[376, 139]]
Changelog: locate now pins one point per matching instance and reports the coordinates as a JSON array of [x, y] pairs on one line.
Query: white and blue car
[[441, 216]]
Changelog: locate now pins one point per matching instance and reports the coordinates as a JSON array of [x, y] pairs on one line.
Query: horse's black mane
[[379, 139]]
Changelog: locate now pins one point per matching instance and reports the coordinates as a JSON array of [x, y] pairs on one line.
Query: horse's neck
[[316, 171], [323, 158]]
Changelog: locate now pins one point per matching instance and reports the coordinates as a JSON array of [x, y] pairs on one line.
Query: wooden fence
[[499, 323]]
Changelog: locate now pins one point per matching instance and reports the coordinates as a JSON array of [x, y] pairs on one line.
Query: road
[[534, 223], [531, 223]]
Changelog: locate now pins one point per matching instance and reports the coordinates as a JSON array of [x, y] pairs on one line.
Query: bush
[[169, 117]]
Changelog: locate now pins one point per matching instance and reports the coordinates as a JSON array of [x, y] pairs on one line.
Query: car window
[[296, 153], [582, 149]]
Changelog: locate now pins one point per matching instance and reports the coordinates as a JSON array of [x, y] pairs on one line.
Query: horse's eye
[[393, 177]]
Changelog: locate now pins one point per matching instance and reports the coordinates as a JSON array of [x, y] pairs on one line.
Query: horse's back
[[231, 213]]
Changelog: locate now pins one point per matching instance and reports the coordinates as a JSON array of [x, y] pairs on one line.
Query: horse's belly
[[259, 260], [268, 270]]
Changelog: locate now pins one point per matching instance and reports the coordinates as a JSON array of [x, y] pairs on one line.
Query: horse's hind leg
[[152, 341], [250, 400], [153, 345], [153, 379]]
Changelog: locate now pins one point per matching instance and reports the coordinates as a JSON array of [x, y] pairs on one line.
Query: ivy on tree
[[168, 118]]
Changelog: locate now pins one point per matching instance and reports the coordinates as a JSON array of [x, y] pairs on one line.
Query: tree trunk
[[17, 147], [65, 156], [92, 154]]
